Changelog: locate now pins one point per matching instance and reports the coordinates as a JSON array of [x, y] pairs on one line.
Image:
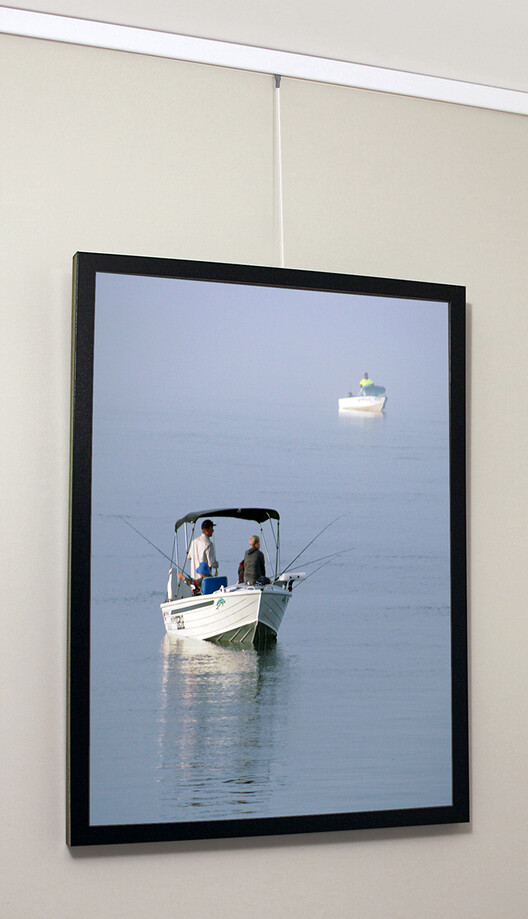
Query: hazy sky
[[160, 341]]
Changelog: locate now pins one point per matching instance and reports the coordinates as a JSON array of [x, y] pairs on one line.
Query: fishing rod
[[323, 558], [307, 546], [335, 555], [131, 525], [332, 555]]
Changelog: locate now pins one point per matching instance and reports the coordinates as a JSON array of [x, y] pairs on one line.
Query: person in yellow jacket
[[366, 381]]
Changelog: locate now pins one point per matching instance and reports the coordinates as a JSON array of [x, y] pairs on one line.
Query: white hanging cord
[[278, 161]]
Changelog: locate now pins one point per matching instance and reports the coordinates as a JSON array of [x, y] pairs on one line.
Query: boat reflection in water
[[360, 419], [219, 729]]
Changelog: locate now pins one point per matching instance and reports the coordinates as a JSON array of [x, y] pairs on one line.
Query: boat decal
[[220, 602]]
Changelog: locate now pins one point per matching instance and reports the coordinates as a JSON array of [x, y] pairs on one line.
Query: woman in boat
[[254, 562]]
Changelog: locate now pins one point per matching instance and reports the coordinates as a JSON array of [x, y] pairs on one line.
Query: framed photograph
[[267, 624]]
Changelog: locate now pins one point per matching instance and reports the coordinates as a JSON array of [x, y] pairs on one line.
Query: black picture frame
[[87, 267]]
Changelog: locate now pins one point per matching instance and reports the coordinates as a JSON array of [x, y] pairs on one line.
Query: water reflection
[[359, 419], [218, 718]]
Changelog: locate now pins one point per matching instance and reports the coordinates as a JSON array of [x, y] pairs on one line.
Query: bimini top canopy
[[260, 514]]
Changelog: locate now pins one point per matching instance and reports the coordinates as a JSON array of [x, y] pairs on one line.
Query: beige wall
[[121, 153]]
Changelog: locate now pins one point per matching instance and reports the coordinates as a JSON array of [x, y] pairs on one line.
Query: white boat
[[369, 399], [222, 612], [362, 403]]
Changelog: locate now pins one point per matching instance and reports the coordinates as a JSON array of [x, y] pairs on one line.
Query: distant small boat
[[362, 403], [369, 399], [236, 613]]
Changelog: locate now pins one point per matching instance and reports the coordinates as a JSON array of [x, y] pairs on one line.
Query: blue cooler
[[209, 585]]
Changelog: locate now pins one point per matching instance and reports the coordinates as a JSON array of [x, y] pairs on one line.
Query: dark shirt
[[254, 565]]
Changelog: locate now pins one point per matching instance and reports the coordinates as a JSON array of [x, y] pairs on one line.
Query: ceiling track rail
[[258, 60]]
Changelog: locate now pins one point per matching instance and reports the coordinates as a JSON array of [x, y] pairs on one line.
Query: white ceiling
[[479, 41]]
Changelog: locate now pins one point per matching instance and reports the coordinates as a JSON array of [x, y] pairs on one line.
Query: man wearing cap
[[202, 549]]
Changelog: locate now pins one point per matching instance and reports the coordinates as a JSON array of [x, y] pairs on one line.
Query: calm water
[[350, 710]]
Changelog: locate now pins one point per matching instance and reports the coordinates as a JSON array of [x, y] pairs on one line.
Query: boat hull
[[247, 616], [362, 403]]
